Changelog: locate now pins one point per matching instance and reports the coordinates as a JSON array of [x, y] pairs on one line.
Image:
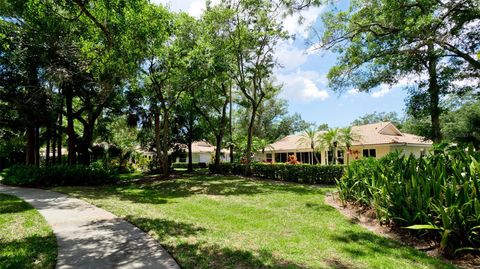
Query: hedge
[[302, 173], [59, 175], [185, 165]]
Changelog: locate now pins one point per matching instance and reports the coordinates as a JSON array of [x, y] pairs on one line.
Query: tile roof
[[202, 147], [385, 133], [369, 134]]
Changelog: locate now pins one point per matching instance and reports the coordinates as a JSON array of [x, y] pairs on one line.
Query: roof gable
[[390, 129]]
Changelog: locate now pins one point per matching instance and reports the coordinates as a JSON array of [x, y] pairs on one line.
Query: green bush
[[59, 175], [185, 165], [302, 173], [438, 192]]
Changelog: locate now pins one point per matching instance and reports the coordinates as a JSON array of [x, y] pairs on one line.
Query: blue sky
[[303, 75]]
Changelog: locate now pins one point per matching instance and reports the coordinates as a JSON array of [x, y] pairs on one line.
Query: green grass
[[228, 222], [3, 173], [130, 176], [26, 240]]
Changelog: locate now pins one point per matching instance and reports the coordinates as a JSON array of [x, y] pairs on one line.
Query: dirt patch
[[367, 219]]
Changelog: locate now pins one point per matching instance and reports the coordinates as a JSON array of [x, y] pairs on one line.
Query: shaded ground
[[367, 219], [90, 237], [229, 222], [26, 240]]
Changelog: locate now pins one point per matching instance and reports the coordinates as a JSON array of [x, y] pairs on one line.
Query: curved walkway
[[90, 237]]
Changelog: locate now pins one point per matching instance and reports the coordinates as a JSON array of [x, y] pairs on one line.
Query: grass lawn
[[228, 222], [26, 240], [129, 176]]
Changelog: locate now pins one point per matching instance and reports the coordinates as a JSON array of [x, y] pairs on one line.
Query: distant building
[[202, 152], [372, 140]]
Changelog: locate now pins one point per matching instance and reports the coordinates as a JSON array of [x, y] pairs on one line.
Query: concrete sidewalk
[[90, 237]]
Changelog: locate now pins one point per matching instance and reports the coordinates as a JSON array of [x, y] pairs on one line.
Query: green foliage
[[59, 175], [375, 117], [185, 165], [301, 173], [439, 190]]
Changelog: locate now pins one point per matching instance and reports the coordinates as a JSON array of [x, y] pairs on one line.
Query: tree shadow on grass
[[12, 204], [162, 192], [365, 244], [30, 252], [190, 253]]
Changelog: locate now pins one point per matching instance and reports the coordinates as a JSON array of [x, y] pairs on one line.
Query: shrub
[[302, 173], [438, 192], [59, 175], [185, 165]]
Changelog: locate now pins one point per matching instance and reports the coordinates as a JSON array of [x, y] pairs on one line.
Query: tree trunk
[[72, 157], [220, 135], [158, 147], [47, 147], [30, 152], [37, 146], [60, 133], [84, 144], [54, 142], [434, 92], [314, 155], [165, 133], [250, 139], [190, 154], [218, 152], [231, 127], [190, 141]]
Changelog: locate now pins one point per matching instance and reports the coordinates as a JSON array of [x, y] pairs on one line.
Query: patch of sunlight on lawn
[[228, 222], [26, 240]]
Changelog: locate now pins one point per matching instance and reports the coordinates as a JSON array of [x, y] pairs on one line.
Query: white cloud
[[193, 7], [353, 91], [307, 17], [302, 86], [289, 56], [384, 89]]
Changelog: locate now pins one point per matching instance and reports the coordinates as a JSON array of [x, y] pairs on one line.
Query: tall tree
[[255, 31], [375, 117], [382, 41]]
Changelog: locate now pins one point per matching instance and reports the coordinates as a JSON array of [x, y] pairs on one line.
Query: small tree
[[310, 139], [330, 140]]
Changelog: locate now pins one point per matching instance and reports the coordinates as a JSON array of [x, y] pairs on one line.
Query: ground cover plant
[[438, 192], [302, 173], [208, 221], [26, 240]]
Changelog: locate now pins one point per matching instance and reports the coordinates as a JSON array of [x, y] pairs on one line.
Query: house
[[371, 140], [202, 152]]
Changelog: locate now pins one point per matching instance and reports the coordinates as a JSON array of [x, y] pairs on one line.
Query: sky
[[302, 73]]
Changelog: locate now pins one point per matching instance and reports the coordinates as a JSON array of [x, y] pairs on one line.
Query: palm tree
[[309, 138], [347, 138], [330, 139], [262, 144]]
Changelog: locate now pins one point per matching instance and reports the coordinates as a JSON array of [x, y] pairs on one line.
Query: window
[[269, 157], [319, 158], [182, 159], [370, 153], [281, 157], [340, 156], [330, 157]]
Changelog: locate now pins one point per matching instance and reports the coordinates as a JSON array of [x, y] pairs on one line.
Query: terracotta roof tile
[[370, 134]]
